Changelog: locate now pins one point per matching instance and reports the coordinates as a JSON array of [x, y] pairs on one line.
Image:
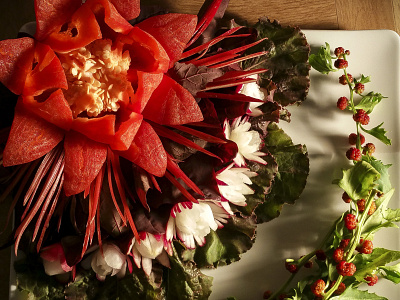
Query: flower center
[[97, 78]]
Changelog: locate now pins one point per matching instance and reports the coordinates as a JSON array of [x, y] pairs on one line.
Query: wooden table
[[308, 14]]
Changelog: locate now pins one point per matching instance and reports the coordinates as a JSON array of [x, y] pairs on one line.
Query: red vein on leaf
[[239, 74]]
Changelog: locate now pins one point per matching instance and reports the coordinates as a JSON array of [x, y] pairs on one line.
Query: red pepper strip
[[84, 158], [82, 30], [172, 135], [173, 31], [228, 83], [30, 138], [16, 57], [205, 20], [126, 131], [204, 47], [100, 129], [233, 97], [146, 52], [47, 74], [53, 14], [147, 151], [237, 60], [179, 186], [55, 109], [111, 15], [200, 134], [128, 9], [171, 104], [147, 83], [173, 167], [238, 74]]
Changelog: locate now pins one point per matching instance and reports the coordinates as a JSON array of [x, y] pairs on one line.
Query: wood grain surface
[[308, 14]]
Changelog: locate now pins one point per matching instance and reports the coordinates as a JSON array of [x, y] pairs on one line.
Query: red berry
[[344, 243], [347, 52], [341, 63], [339, 51], [338, 255], [340, 289], [342, 103], [346, 268], [318, 287], [353, 154], [291, 267], [361, 205], [365, 247], [320, 254], [372, 280], [343, 80], [346, 198], [359, 88], [372, 208], [361, 116], [353, 139], [267, 294], [369, 149], [350, 221]]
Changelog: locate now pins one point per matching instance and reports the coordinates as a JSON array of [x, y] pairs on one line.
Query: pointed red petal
[[84, 158], [147, 54], [100, 129], [147, 151], [112, 17], [172, 104], [47, 74], [16, 57], [173, 31], [82, 29], [126, 132], [55, 109], [128, 9], [30, 138], [53, 14], [147, 83]]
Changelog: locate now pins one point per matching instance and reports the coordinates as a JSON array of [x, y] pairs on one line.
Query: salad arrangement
[[139, 152]]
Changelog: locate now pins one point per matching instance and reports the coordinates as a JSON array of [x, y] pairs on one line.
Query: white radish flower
[[252, 89], [109, 262], [191, 222], [247, 141], [233, 184]]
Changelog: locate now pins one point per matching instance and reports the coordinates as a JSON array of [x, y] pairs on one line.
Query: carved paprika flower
[[54, 261]]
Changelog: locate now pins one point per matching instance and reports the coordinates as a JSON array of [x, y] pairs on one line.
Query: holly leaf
[[391, 273], [367, 264], [289, 180], [359, 180], [322, 60], [369, 101], [286, 61], [353, 293], [363, 79], [383, 184], [379, 133]]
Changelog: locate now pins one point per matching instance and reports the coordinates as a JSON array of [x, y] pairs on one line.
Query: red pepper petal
[[100, 129], [147, 83], [54, 109], [47, 73], [16, 57], [84, 158], [146, 52], [53, 14], [111, 15], [126, 132], [173, 31], [30, 138], [147, 151], [82, 30], [128, 9], [172, 104]]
